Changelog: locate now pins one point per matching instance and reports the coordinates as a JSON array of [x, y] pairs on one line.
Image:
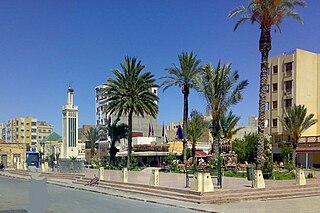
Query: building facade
[[140, 125], [25, 130], [69, 127], [293, 78]]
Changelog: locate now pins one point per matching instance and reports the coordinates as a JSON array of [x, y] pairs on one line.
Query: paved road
[[14, 195]]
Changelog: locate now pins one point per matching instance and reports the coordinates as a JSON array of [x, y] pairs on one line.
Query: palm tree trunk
[[193, 150], [264, 47], [129, 138], [185, 91], [92, 150], [294, 156]]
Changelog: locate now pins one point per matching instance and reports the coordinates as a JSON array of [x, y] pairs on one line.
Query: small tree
[[196, 128], [92, 135], [295, 120], [229, 125], [115, 132]]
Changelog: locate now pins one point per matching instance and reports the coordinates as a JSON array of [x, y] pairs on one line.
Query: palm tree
[[229, 125], [183, 76], [196, 128], [92, 135], [116, 132], [221, 89], [295, 120], [130, 92], [267, 13]]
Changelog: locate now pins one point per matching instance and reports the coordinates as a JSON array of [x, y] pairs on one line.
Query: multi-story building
[[252, 127], [293, 78], [100, 103], [44, 129], [69, 127], [24, 130], [140, 124]]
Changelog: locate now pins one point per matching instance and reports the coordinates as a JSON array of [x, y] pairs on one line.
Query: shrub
[[230, 173], [276, 175]]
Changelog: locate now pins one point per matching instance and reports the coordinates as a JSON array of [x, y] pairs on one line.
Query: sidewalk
[[172, 180]]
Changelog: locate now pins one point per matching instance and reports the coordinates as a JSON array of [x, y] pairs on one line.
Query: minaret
[[69, 127]]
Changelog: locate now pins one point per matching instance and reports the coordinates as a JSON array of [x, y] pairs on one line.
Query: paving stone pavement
[[307, 204]]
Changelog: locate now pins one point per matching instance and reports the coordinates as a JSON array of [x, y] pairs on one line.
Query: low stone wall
[[70, 166]]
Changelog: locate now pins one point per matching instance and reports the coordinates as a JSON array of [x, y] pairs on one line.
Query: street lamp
[[219, 178]]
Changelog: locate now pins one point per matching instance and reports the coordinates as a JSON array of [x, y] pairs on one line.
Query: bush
[[230, 173], [289, 165], [310, 175], [276, 175]]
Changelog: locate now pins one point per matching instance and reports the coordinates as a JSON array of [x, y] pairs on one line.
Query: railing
[[309, 139]]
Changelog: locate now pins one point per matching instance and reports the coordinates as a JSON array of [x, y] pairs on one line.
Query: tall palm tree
[[196, 127], [130, 93], [295, 120], [115, 132], [229, 124], [92, 135], [183, 76], [267, 13], [221, 89]]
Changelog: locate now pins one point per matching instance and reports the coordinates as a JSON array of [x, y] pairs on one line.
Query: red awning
[[308, 149], [200, 154]]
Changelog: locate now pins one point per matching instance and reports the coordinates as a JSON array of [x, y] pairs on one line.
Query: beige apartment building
[[26, 130], [294, 78]]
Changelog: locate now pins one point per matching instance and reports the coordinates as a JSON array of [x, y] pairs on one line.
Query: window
[[34, 124], [274, 104], [22, 136], [33, 130], [275, 87], [274, 122], [28, 130], [288, 103], [39, 137], [288, 85], [267, 71], [155, 91], [17, 123], [33, 137], [267, 88], [28, 124], [275, 69], [288, 66], [28, 137], [267, 105]]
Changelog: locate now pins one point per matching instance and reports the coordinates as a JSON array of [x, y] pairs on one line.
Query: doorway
[[4, 160]]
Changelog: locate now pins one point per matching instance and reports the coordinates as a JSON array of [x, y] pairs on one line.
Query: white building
[[69, 128]]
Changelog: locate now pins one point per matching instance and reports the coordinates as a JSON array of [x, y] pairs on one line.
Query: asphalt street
[[14, 195]]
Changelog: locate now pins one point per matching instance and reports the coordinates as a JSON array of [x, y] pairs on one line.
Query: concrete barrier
[[154, 178], [124, 175], [258, 181], [25, 166], [101, 173], [300, 177], [202, 182]]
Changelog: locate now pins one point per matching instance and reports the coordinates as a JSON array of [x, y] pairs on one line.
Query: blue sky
[[45, 45]]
